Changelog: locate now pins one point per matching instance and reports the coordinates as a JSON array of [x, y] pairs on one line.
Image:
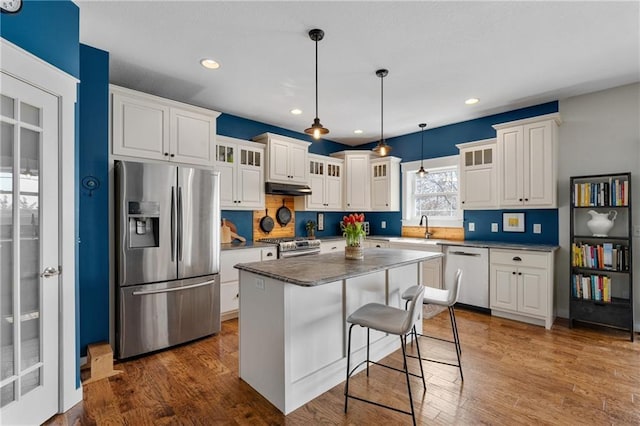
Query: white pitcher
[[600, 223]]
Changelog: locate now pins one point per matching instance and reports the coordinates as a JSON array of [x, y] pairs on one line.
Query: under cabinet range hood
[[275, 188]]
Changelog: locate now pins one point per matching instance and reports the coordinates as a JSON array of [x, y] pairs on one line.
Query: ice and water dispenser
[[144, 224]]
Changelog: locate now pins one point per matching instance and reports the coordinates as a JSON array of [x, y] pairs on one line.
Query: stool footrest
[[385, 366], [379, 404]]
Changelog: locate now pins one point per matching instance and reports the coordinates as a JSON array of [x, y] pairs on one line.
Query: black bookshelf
[[601, 277]]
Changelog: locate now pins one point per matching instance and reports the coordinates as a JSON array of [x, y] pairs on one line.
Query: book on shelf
[[613, 193], [591, 287], [600, 256]]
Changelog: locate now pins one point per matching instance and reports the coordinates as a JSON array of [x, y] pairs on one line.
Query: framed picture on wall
[[513, 222]]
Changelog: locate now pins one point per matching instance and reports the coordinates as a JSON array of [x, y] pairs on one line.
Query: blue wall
[[243, 128], [93, 156], [47, 29], [482, 219]]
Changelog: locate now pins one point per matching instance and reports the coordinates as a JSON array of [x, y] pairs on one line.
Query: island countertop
[[326, 268]]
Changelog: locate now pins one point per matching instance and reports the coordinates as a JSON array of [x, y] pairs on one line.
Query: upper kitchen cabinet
[[325, 180], [286, 160], [385, 184], [478, 186], [527, 154], [357, 181], [240, 164], [150, 127]]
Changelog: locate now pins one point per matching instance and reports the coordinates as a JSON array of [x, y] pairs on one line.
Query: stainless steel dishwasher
[[474, 262]]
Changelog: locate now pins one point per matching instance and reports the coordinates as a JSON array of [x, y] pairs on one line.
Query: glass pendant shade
[[316, 130]]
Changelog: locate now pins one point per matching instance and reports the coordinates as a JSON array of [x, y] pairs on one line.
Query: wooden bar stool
[[392, 321], [448, 298]]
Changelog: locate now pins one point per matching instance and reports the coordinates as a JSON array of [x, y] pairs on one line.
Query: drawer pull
[[517, 259], [269, 254]]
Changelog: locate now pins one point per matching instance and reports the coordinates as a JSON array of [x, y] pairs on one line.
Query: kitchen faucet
[[427, 234]]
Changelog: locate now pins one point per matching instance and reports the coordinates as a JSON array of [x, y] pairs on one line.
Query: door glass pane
[[28, 208], [30, 114], [6, 256], [7, 394], [478, 157], [6, 106], [468, 158], [257, 159], [30, 381], [229, 154]]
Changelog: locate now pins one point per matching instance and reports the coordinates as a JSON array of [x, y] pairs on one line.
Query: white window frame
[[409, 170]]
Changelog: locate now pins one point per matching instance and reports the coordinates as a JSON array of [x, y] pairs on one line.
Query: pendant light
[[316, 129], [422, 172], [382, 148]]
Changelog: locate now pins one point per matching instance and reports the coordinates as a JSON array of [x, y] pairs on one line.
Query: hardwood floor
[[514, 374]]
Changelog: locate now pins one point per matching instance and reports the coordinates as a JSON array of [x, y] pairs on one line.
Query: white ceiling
[[508, 54]]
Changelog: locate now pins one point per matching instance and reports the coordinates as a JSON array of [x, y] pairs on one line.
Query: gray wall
[[600, 133]]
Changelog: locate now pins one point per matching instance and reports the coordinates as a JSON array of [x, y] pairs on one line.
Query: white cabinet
[[150, 127], [521, 285], [357, 181], [229, 276], [240, 164], [325, 180], [478, 186], [527, 152], [373, 243], [286, 160], [332, 246], [431, 269], [385, 184]]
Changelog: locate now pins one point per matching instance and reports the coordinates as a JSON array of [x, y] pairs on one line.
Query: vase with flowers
[[353, 231]]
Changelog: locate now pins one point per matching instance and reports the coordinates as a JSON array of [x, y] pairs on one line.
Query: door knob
[[50, 272]]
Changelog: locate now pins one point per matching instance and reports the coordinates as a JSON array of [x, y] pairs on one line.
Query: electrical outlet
[[494, 227], [472, 226], [537, 228], [260, 283], [383, 225], [636, 230]]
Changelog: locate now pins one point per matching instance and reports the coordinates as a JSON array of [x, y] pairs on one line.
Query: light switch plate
[[537, 228], [260, 283], [383, 225], [494, 227], [472, 226]]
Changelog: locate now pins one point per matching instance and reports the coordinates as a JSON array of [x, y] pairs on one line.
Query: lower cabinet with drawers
[[521, 285], [229, 276]]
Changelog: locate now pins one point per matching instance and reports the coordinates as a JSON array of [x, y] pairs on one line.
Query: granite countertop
[[325, 268]]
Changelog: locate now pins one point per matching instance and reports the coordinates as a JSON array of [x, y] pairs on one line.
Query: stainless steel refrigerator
[[168, 255]]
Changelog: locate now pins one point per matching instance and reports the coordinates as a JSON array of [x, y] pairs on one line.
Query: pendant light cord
[[382, 109], [316, 77]]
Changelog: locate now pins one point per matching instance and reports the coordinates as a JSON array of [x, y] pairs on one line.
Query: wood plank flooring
[[515, 374]]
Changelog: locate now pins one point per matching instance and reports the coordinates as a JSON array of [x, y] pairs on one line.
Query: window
[[434, 195]]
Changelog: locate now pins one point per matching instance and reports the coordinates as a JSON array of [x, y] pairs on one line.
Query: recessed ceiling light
[[358, 132], [296, 111], [210, 64], [472, 101]]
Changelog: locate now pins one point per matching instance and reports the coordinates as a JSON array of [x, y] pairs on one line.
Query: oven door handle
[[297, 253]]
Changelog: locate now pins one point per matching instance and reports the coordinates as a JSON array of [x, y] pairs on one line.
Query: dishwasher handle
[[464, 253]]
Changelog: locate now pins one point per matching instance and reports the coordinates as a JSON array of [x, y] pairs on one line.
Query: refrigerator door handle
[[167, 290], [173, 223], [180, 236]]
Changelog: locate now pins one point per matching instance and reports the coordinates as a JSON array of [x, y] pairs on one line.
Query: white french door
[[29, 253]]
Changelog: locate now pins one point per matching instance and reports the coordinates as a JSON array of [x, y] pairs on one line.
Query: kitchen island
[[292, 322]]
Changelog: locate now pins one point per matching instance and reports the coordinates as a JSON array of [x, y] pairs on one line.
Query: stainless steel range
[[291, 247]]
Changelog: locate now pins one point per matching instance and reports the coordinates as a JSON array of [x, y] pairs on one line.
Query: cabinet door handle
[[517, 259], [526, 199], [513, 273], [519, 273], [172, 155], [462, 202], [269, 254], [166, 154], [519, 199]]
